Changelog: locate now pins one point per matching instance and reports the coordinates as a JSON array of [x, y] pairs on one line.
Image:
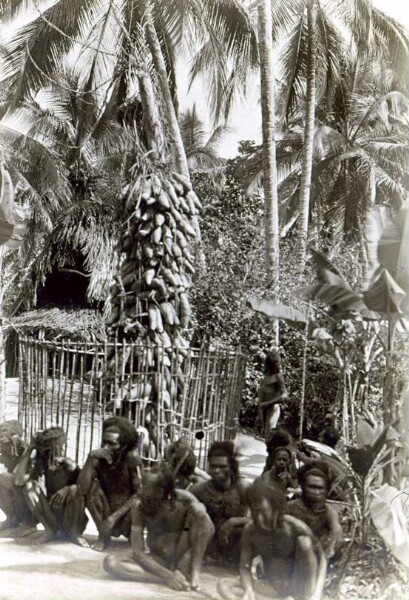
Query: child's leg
[[272, 416]]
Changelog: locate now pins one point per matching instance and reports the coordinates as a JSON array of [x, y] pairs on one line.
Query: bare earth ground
[[63, 571]]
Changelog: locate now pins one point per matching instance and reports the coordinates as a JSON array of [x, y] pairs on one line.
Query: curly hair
[[181, 458], [128, 436], [48, 438], [259, 490], [318, 469], [226, 449], [11, 442], [278, 438]]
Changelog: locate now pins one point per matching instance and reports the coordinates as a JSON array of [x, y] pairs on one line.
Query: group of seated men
[[181, 514]]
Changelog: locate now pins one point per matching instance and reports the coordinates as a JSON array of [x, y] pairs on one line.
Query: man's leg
[[305, 568], [68, 519], [198, 531], [128, 570], [98, 506], [38, 504]]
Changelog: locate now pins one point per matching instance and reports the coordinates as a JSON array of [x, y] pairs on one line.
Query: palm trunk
[[269, 148], [171, 118], [152, 125], [308, 147]]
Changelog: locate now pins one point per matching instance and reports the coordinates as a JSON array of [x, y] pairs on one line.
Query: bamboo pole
[[303, 381]]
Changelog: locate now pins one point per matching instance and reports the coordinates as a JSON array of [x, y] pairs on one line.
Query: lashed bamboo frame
[[74, 384]]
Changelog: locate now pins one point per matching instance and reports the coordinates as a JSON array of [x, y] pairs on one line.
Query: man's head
[[329, 436], [314, 481], [49, 444], [277, 438], [11, 443], [158, 486], [281, 459], [223, 467], [181, 459], [267, 505], [118, 436]]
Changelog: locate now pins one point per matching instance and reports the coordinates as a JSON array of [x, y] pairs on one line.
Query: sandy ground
[[63, 571]]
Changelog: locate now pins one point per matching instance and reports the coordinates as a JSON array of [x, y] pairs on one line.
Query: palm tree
[[269, 149], [201, 149], [115, 42], [313, 56]]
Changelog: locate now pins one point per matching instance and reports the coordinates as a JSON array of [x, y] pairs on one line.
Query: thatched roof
[[55, 323]]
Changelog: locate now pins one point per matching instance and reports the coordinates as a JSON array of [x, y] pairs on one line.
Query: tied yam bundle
[[150, 297]]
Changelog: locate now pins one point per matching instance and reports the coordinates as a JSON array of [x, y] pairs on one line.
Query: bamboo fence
[[76, 385]]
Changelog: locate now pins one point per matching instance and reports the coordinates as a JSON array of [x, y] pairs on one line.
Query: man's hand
[[106, 527], [102, 453], [225, 531], [177, 581], [67, 463], [248, 595], [58, 499]]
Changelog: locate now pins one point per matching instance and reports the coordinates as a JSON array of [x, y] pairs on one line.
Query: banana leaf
[[277, 311], [388, 516], [384, 295], [325, 268], [340, 298]]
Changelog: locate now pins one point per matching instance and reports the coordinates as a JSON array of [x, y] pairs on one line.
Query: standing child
[[272, 392]]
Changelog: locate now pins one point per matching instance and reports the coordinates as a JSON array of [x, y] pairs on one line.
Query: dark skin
[[118, 474], [19, 521], [178, 531], [294, 563], [219, 487], [279, 474], [327, 528], [48, 509]]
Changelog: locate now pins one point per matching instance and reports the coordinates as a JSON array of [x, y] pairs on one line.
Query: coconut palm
[[201, 148], [312, 61], [269, 149], [116, 41], [359, 155]]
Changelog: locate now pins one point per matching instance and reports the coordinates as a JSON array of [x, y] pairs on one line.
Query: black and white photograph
[[204, 300]]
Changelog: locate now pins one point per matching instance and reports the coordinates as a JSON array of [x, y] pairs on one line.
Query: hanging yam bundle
[[150, 297]]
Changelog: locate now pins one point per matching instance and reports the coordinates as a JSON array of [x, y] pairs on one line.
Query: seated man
[[294, 563], [182, 462], [12, 501], [52, 507], [178, 530], [314, 510], [279, 438], [280, 473], [224, 497], [109, 481]]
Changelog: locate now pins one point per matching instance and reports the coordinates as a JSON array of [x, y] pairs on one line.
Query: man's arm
[[146, 561], [135, 470], [22, 471], [246, 556], [87, 475]]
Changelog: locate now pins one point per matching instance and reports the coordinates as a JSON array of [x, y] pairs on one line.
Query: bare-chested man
[[109, 480], [224, 497], [182, 462], [12, 501], [178, 530], [294, 562], [53, 506], [314, 510]]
